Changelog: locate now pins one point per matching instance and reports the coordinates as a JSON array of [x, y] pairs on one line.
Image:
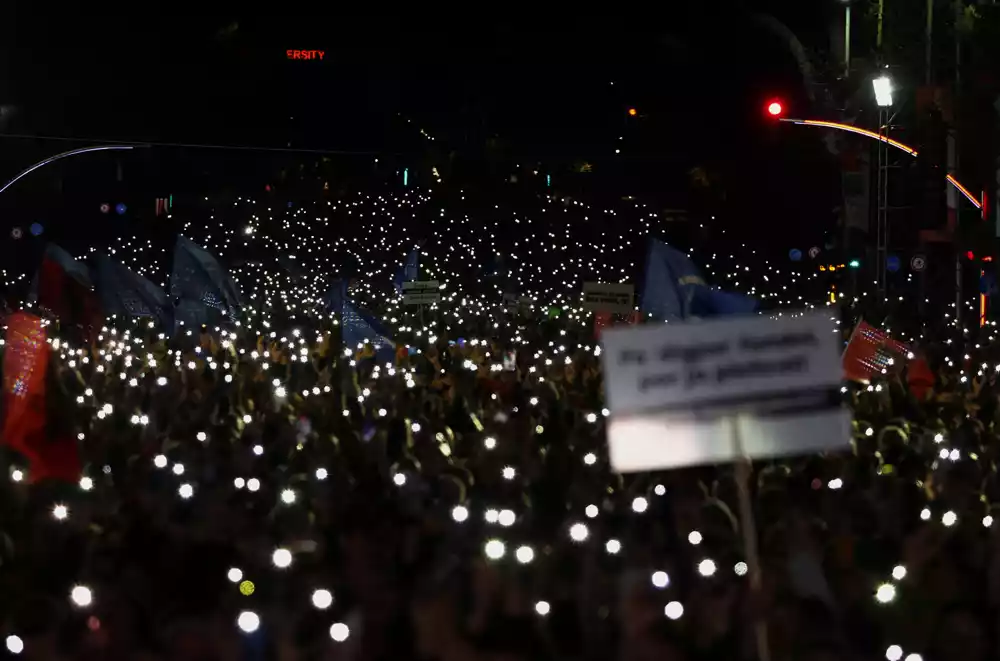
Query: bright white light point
[[160, 461], [321, 474], [706, 567], [590, 458], [247, 419], [740, 568], [894, 653], [339, 632], [578, 532], [279, 391], [178, 469], [885, 593], [86, 483], [591, 417], [913, 657], [506, 518], [660, 579], [659, 490], [281, 558], [835, 483], [202, 436], [613, 546], [869, 431], [899, 572], [14, 644], [949, 518], [543, 608], [490, 442], [60, 512], [185, 491], [248, 622], [674, 610], [258, 450], [253, 484], [987, 521], [639, 505], [288, 496], [509, 472], [694, 538], [322, 599], [494, 549], [235, 574], [491, 515], [938, 438], [591, 511], [925, 514], [415, 427], [81, 596], [459, 513], [399, 479], [524, 554]]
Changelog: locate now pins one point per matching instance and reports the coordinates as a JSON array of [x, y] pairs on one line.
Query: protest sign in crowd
[[248, 445]]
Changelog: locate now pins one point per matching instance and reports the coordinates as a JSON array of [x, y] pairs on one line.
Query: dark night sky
[[541, 84]]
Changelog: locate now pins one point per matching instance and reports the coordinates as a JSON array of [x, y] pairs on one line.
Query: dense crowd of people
[[257, 489]]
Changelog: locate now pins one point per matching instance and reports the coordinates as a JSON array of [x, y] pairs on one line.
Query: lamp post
[[882, 87], [847, 38]]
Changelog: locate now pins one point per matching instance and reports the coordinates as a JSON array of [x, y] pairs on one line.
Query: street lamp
[[883, 97], [883, 91]]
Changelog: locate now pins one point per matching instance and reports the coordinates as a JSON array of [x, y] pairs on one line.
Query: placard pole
[[744, 471]]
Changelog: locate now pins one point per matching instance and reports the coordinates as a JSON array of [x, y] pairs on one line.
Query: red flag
[[870, 351], [25, 364], [67, 297]]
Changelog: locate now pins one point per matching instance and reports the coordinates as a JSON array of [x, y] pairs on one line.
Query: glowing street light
[[883, 91]]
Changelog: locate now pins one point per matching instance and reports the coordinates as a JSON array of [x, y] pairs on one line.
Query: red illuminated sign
[[305, 54]]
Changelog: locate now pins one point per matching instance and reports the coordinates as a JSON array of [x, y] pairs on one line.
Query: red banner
[[870, 352]]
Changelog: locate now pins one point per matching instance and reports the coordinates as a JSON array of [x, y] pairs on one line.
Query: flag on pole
[[198, 276], [870, 352], [409, 271], [126, 293]]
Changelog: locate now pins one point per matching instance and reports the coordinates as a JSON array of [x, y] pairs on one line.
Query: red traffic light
[[774, 108]]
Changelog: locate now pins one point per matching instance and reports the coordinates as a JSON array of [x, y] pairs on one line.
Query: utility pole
[[952, 162]]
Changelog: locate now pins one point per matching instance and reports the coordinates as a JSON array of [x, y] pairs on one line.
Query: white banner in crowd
[[421, 292], [604, 297], [712, 391]]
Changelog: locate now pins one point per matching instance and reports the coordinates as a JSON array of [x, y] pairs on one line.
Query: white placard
[[421, 292], [680, 394], [604, 297]]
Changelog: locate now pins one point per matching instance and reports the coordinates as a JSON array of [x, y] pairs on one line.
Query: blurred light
[[632, 112], [774, 108], [494, 549], [235, 575], [740, 568], [885, 593], [578, 532], [248, 622], [60, 512], [14, 644], [674, 610], [339, 632], [694, 538], [459, 513], [282, 558], [894, 653], [81, 596], [185, 491], [899, 572], [613, 546], [524, 554], [322, 599], [660, 579], [706, 567], [639, 505], [543, 608], [288, 496]]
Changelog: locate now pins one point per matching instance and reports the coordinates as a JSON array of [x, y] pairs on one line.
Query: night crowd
[[255, 489]]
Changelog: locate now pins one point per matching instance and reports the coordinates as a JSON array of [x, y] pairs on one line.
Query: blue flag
[[357, 326], [409, 271], [670, 277], [717, 303], [124, 292], [674, 289], [335, 296], [197, 276]]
